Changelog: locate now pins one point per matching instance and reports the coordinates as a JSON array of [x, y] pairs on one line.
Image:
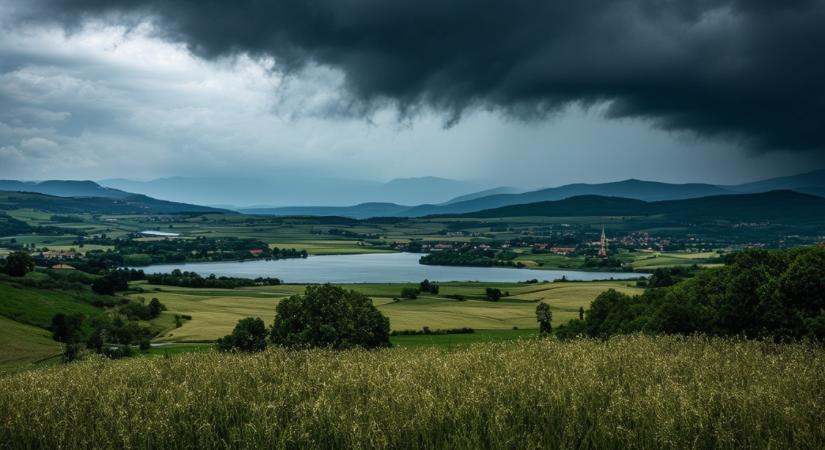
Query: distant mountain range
[[776, 206], [298, 188], [648, 191], [88, 194]]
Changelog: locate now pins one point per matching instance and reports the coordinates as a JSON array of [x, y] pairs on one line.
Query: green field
[[21, 345], [37, 306], [215, 312], [627, 392]]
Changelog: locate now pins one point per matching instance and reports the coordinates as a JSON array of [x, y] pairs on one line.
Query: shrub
[[409, 293]]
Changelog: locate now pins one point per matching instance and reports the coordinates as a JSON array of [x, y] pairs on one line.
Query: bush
[[249, 335], [329, 316], [409, 293]]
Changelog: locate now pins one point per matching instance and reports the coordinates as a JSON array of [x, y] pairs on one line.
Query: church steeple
[[603, 245]]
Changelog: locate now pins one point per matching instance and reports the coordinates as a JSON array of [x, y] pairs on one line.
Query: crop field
[[654, 260], [215, 312], [628, 392]]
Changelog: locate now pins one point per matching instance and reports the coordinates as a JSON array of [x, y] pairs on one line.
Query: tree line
[[759, 294]]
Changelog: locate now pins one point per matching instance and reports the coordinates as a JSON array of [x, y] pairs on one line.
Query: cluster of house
[[52, 255], [556, 249], [643, 239], [59, 254]]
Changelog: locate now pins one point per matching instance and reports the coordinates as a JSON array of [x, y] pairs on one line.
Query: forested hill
[[774, 206], [131, 204]]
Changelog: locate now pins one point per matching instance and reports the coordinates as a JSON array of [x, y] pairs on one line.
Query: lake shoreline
[[399, 267]]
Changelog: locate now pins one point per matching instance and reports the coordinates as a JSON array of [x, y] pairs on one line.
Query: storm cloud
[[751, 71]]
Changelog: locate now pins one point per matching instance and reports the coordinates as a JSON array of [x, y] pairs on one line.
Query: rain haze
[[347, 95]]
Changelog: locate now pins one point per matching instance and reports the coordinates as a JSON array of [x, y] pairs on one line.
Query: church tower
[[603, 245]]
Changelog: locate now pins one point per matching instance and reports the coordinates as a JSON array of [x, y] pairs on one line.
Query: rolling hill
[[775, 206], [361, 211], [131, 204]]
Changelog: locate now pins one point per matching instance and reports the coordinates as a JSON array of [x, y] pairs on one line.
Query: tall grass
[[628, 392]]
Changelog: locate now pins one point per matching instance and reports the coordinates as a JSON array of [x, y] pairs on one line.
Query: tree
[[409, 293], [544, 317], [427, 286], [67, 328], [117, 280], [581, 312], [329, 316], [19, 264], [493, 294], [249, 335], [155, 307]]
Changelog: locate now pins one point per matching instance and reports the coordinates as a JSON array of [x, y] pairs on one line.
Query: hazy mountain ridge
[[298, 189], [783, 206], [650, 191]]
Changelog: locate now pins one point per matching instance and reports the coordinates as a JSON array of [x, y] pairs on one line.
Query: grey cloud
[[745, 70]]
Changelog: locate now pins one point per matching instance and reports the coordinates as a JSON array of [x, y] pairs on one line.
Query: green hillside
[[22, 344], [37, 306], [132, 204]]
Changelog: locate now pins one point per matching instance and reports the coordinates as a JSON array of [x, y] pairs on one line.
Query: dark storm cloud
[[746, 70]]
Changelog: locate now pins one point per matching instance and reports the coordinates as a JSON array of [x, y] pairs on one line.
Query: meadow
[[24, 345], [215, 312], [626, 392]]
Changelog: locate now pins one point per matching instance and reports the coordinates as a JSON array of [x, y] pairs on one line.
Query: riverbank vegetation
[[760, 294]]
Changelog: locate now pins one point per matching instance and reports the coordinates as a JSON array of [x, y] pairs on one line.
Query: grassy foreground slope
[[628, 392]]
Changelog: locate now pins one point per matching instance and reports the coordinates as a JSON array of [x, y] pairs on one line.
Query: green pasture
[[215, 312], [21, 345]]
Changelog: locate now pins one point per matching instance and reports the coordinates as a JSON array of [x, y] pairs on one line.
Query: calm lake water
[[374, 268]]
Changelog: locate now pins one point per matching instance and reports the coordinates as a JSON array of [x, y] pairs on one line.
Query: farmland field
[[215, 312]]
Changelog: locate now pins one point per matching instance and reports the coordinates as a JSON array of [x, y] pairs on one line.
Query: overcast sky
[[707, 91]]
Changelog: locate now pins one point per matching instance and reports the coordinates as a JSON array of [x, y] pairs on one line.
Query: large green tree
[[329, 316], [249, 335], [19, 264]]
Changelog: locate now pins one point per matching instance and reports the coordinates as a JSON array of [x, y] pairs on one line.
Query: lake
[[374, 268]]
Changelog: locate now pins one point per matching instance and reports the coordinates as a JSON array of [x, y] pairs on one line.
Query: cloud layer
[[747, 70]]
